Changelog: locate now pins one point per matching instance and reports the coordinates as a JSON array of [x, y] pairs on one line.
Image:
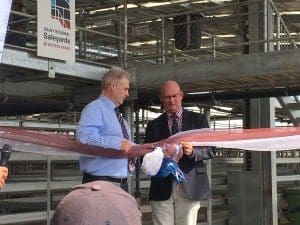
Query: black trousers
[[122, 183]]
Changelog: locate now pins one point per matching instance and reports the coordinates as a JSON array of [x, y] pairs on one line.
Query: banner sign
[[56, 29], [4, 15]]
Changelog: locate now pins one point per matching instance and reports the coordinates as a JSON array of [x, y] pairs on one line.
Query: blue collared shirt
[[99, 125]]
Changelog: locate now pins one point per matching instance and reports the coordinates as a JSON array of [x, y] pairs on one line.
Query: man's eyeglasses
[[171, 96]]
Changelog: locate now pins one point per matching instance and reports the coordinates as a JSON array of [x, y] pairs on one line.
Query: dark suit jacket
[[197, 187]]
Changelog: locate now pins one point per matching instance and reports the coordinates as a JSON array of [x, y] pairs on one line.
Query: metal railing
[[154, 42], [282, 30]]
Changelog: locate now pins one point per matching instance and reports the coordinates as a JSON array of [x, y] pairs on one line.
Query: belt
[[112, 179], [105, 178]]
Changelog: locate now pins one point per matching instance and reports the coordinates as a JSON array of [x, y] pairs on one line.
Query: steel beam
[[258, 64], [150, 99], [32, 88], [11, 105], [29, 60]]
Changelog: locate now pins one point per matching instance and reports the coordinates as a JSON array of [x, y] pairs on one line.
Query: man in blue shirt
[[101, 125]]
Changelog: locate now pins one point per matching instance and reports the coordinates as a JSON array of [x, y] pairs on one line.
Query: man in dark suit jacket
[[174, 203]]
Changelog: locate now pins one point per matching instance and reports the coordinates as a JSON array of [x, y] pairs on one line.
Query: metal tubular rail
[[78, 29], [218, 47], [213, 49], [278, 15]]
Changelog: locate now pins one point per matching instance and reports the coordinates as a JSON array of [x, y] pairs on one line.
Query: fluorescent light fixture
[[198, 93], [221, 15], [129, 6], [292, 34], [224, 108], [290, 13], [219, 1], [102, 10], [137, 44], [154, 42], [208, 1], [155, 4], [219, 36], [200, 2]]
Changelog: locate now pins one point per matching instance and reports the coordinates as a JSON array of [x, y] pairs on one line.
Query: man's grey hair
[[115, 74]]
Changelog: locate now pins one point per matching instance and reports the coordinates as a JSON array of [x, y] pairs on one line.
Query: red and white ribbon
[[261, 139]]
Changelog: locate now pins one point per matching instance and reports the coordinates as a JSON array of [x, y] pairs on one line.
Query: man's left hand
[[187, 148], [126, 145]]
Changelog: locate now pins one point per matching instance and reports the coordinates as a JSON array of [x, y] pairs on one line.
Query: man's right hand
[[3, 175], [126, 146]]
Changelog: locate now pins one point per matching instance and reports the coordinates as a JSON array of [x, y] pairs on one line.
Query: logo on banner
[[56, 29], [60, 10]]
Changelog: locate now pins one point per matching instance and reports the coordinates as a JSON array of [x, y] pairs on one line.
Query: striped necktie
[[174, 124], [122, 123], [131, 161]]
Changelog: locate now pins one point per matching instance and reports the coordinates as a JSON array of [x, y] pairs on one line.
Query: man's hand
[[187, 149], [179, 155], [170, 152], [3, 175], [126, 145]]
